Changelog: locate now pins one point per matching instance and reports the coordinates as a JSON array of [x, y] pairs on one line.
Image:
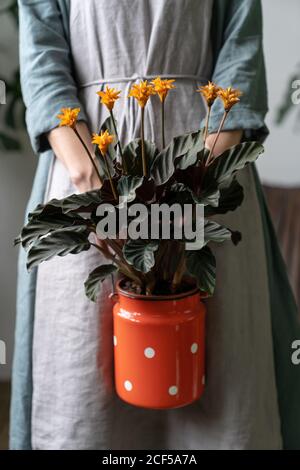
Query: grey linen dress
[[74, 403]]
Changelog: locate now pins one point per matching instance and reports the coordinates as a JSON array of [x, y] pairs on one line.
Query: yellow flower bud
[[109, 97], [229, 96], [162, 87], [141, 92], [68, 117], [209, 93], [103, 140]]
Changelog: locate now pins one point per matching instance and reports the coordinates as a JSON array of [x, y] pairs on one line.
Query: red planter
[[159, 349]]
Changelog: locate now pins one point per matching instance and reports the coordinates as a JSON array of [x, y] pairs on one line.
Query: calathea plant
[[183, 173]]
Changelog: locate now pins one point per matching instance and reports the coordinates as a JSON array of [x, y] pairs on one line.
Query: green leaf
[[140, 254], [230, 161], [214, 232], [202, 265], [181, 153], [108, 125], [231, 198], [196, 152], [185, 194], [58, 243], [210, 198], [93, 283], [132, 155], [127, 186], [52, 208], [71, 205], [38, 227], [83, 202], [17, 240], [179, 193]]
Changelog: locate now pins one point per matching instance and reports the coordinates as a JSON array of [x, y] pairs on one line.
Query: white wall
[[280, 166], [16, 173]]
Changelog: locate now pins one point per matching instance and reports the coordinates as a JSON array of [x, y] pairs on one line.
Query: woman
[[62, 387]]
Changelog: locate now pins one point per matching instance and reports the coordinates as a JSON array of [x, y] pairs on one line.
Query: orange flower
[[229, 96], [209, 92], [68, 117], [162, 87], [141, 92], [103, 140], [109, 97]]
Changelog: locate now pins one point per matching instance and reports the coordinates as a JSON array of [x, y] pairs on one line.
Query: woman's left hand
[[226, 139]]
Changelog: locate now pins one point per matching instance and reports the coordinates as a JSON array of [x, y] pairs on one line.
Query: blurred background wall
[[280, 167], [17, 165]]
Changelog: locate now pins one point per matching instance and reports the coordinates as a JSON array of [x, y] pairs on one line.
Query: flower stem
[[123, 267], [110, 178], [210, 156], [144, 160], [206, 124], [181, 267], [125, 169], [205, 131], [163, 123], [89, 155]]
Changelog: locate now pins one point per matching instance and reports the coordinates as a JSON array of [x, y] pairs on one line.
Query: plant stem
[[89, 155], [167, 259], [110, 178], [177, 278], [205, 132], [129, 269], [163, 123], [119, 144], [123, 268], [202, 178], [144, 160], [210, 156], [206, 124], [105, 253], [115, 247], [149, 284]]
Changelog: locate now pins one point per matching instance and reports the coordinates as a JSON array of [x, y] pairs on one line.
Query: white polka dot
[[149, 353], [115, 341], [173, 390], [128, 385], [194, 348], [203, 380]]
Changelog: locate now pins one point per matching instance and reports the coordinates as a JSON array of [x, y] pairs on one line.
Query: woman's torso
[[117, 43]]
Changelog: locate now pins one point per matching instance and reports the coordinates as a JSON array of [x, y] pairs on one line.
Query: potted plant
[[162, 253]]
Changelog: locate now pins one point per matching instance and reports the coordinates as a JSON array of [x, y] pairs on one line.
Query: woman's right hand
[[68, 149]]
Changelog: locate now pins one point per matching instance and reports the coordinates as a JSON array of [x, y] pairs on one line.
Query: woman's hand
[[226, 139], [68, 149]]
